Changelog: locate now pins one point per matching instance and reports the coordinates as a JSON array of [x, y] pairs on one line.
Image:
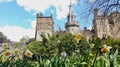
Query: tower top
[[71, 18], [71, 14], [70, 6], [39, 15]]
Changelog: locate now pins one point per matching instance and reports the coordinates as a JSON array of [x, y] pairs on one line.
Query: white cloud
[[42, 5], [1, 1], [90, 27], [33, 24], [15, 33]]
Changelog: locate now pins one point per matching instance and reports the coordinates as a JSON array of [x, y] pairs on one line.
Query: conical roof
[[71, 18]]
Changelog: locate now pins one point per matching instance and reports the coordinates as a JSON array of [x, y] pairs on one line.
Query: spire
[[70, 6], [72, 26], [71, 15]]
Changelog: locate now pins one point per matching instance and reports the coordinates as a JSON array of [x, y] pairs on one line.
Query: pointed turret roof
[[71, 17]]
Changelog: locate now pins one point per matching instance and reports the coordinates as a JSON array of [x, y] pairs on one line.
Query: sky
[[18, 17]]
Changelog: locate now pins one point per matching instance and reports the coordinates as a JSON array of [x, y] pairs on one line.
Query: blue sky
[[14, 15], [18, 17]]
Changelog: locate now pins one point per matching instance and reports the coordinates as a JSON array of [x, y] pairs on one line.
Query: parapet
[[39, 15]]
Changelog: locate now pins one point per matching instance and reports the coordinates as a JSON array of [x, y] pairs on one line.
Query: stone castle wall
[[44, 26], [107, 25]]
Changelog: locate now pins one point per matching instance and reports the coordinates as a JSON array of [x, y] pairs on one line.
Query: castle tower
[[72, 26], [114, 20], [101, 25], [44, 26]]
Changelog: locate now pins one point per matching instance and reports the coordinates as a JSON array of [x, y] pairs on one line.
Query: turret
[[96, 10], [72, 26]]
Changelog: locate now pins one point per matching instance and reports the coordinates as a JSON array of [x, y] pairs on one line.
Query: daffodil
[[114, 56], [105, 49], [5, 45], [21, 52], [18, 57], [90, 54], [16, 51], [47, 62], [58, 41], [92, 45], [28, 53], [7, 53], [78, 37]]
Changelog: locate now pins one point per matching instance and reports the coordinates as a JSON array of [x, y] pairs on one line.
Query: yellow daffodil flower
[[58, 41], [7, 53], [5, 45], [16, 51], [18, 57], [105, 49], [78, 37], [28, 53], [92, 45]]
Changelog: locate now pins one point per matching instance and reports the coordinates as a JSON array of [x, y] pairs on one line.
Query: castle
[[44, 26], [104, 25]]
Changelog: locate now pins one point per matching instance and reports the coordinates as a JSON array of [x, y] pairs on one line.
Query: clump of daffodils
[[78, 37], [105, 49], [7, 54], [28, 53]]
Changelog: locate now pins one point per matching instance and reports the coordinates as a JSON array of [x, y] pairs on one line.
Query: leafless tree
[[105, 6]]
